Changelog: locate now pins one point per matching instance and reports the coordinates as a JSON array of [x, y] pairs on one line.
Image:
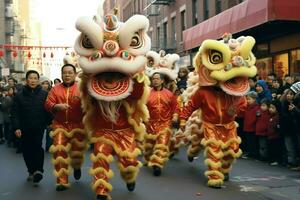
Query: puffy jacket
[[28, 112]]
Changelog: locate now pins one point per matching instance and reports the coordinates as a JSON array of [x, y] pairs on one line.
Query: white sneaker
[[274, 163]]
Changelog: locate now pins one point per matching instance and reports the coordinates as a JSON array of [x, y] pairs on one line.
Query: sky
[[58, 19]]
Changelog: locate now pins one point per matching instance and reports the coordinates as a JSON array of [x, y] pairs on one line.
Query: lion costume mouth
[[110, 86], [237, 86]]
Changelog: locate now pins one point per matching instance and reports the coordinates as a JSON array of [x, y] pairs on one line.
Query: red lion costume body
[[223, 68], [114, 93]]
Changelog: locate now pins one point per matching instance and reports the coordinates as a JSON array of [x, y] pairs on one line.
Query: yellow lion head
[[226, 63]]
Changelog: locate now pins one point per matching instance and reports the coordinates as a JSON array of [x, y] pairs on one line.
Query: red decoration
[[29, 54], [51, 55], [1, 53], [44, 55], [15, 54]]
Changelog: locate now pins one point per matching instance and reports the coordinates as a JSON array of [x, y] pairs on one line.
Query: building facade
[[17, 29], [181, 25]]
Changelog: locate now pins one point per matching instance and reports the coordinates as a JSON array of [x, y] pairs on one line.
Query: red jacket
[[262, 123], [217, 106], [273, 126], [70, 118], [250, 118]]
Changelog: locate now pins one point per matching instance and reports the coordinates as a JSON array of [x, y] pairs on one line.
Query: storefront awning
[[243, 16]]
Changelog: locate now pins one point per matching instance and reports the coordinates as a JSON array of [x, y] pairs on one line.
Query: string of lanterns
[[18, 48]]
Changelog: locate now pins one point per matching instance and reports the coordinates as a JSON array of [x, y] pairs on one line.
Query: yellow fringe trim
[[213, 141], [161, 147], [61, 172], [101, 156], [232, 153], [213, 182], [109, 174], [66, 133], [140, 108], [76, 154], [120, 152], [154, 160], [130, 173], [102, 182], [231, 141], [60, 159], [213, 164], [161, 153], [193, 151], [150, 136], [66, 185], [210, 151], [215, 173], [78, 143], [227, 170], [60, 147], [228, 162], [223, 145], [148, 146]]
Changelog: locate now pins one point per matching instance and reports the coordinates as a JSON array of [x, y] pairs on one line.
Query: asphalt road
[[180, 180]]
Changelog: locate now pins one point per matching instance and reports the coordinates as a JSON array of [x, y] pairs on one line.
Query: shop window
[[295, 61], [262, 50], [264, 67], [281, 65]]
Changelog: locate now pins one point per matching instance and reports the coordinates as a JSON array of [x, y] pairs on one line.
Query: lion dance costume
[[162, 106], [114, 93], [223, 67], [69, 138]]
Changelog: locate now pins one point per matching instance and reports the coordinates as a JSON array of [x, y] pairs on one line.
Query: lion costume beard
[[110, 109]]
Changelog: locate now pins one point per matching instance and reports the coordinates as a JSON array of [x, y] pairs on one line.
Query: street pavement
[[180, 180]]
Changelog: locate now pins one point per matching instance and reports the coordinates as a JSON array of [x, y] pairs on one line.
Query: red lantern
[[29, 54], [1, 53], [52, 55], [44, 55], [15, 54]]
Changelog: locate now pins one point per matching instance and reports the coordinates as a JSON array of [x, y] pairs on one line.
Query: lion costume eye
[[150, 62], [215, 57], [136, 41], [96, 56], [86, 43], [125, 55]]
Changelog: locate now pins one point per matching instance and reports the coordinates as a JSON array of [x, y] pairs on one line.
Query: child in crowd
[[274, 141], [261, 128], [250, 141]]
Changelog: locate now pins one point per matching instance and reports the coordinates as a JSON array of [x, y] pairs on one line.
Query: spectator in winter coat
[[182, 78], [288, 126], [262, 91], [29, 119], [250, 140], [261, 128], [274, 141]]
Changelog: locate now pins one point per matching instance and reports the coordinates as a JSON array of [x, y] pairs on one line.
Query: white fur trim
[[80, 50], [115, 64], [129, 28], [172, 74], [154, 56], [93, 30], [110, 98]]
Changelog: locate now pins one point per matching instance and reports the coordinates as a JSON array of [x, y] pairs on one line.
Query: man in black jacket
[[30, 119]]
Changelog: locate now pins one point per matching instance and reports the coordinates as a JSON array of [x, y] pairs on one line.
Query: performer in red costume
[[69, 137], [163, 109], [223, 67], [114, 93]]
